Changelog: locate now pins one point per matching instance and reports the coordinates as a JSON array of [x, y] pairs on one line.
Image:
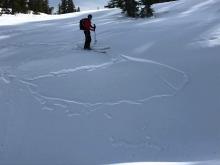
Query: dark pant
[[87, 39]]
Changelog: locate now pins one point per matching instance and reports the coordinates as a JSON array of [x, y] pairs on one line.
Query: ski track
[[74, 108]]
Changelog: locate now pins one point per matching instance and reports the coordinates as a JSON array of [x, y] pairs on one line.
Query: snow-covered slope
[[153, 97]]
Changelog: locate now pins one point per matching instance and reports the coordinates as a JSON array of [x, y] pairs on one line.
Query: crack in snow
[[62, 72], [6, 77], [52, 103]]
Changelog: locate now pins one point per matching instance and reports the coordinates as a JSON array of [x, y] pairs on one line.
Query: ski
[[92, 50], [95, 49], [99, 51], [101, 48]]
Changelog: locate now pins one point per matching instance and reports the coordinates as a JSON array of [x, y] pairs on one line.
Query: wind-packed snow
[[153, 98]]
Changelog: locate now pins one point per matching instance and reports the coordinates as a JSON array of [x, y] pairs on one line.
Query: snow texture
[[153, 98]]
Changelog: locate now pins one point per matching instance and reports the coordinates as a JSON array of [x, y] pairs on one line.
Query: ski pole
[[95, 37], [95, 34]]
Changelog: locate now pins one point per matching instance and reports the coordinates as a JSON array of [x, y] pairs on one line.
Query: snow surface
[[153, 98]]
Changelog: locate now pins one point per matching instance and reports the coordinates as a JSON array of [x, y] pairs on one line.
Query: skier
[[86, 26]]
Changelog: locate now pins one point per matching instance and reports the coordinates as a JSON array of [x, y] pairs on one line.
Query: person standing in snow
[[87, 27]]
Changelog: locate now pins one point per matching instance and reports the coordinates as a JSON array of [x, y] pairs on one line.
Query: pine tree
[[66, 6], [19, 6], [59, 9], [22, 6], [120, 3], [34, 5], [5, 5], [70, 6], [78, 9], [146, 11], [63, 7], [45, 7], [51, 10], [131, 7], [112, 4], [1, 3], [115, 3], [39, 6], [135, 8]]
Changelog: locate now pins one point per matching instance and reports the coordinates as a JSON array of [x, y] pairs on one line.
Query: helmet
[[90, 16]]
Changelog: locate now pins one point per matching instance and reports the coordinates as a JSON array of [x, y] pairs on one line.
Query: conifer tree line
[[37, 6], [67, 6], [135, 8], [23, 6]]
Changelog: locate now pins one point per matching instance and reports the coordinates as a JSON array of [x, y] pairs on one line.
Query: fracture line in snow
[[52, 103], [71, 70], [28, 83], [186, 79], [85, 104], [168, 83], [49, 102], [6, 77], [155, 97], [36, 94], [151, 62]]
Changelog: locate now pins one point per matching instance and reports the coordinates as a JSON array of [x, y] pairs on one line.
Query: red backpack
[[81, 24]]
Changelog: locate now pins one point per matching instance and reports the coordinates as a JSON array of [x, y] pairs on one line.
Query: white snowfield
[[152, 99]]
